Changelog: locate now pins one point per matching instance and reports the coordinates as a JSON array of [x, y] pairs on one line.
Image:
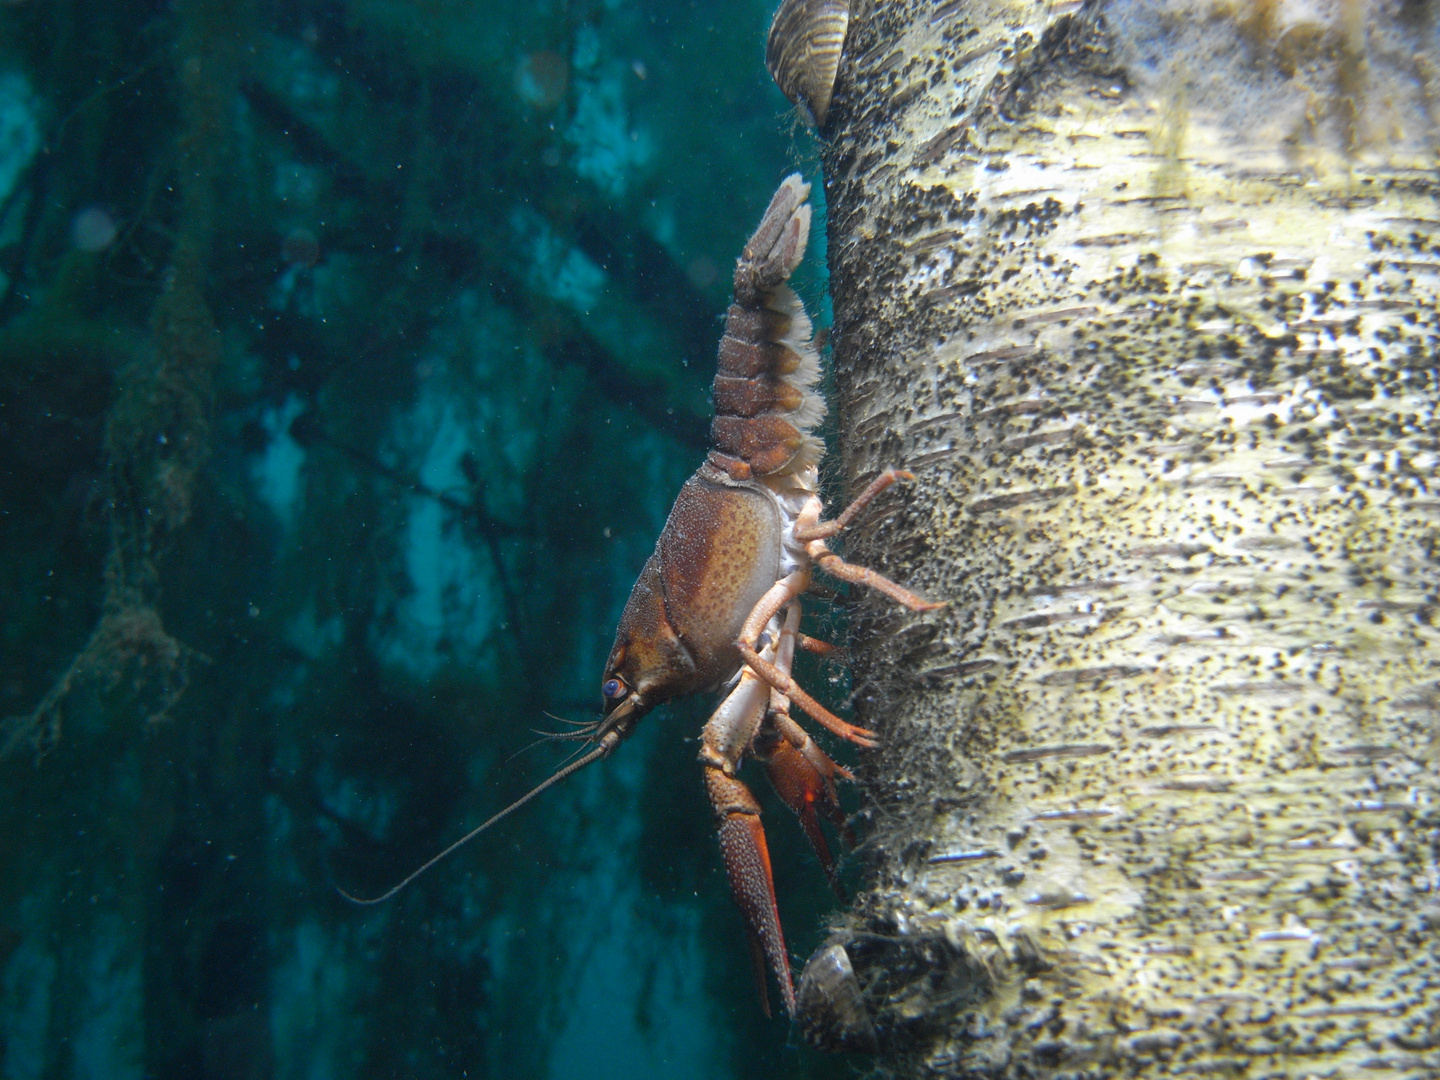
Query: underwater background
[[351, 354]]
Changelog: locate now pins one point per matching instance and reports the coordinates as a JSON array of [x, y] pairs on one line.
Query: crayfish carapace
[[717, 605]]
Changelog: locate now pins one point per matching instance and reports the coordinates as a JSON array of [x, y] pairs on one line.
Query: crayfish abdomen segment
[[765, 402], [751, 397], [755, 343]]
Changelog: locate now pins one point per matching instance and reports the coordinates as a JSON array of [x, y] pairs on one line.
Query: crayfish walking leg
[[801, 773], [754, 718]]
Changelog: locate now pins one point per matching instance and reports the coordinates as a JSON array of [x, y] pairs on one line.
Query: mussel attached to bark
[[830, 1007], [803, 52]]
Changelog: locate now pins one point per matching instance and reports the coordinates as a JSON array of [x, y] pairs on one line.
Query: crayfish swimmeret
[[717, 605]]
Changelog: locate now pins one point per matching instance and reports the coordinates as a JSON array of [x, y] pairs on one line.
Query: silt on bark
[[1145, 295]]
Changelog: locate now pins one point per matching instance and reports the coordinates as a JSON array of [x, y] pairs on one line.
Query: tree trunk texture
[[1145, 296]]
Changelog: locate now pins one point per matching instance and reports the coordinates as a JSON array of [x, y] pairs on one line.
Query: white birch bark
[[1146, 297]]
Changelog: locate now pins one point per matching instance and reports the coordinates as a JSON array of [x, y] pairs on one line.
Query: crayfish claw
[[747, 865], [809, 791]]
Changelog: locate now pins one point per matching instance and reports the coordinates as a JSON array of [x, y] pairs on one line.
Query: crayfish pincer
[[717, 606]]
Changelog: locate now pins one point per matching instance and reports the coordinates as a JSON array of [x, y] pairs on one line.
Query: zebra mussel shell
[[803, 52], [830, 1007]]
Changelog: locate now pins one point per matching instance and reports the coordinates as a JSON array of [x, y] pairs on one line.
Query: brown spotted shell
[[803, 52]]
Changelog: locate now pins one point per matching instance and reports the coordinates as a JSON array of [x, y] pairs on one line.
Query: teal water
[[351, 352]]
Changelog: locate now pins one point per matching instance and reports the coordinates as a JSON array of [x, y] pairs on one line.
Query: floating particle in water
[[702, 271], [300, 185], [541, 78], [641, 71], [301, 248], [93, 229]]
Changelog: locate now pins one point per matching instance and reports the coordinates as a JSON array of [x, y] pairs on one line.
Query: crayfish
[[716, 607]]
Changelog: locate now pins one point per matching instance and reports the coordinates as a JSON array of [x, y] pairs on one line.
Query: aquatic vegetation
[[350, 356]]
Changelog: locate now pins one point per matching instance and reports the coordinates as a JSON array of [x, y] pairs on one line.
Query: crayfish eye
[[613, 689]]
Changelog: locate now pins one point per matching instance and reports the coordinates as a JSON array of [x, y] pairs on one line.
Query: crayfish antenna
[[607, 743]]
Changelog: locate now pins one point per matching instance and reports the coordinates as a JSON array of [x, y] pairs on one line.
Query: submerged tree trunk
[[1146, 298]]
